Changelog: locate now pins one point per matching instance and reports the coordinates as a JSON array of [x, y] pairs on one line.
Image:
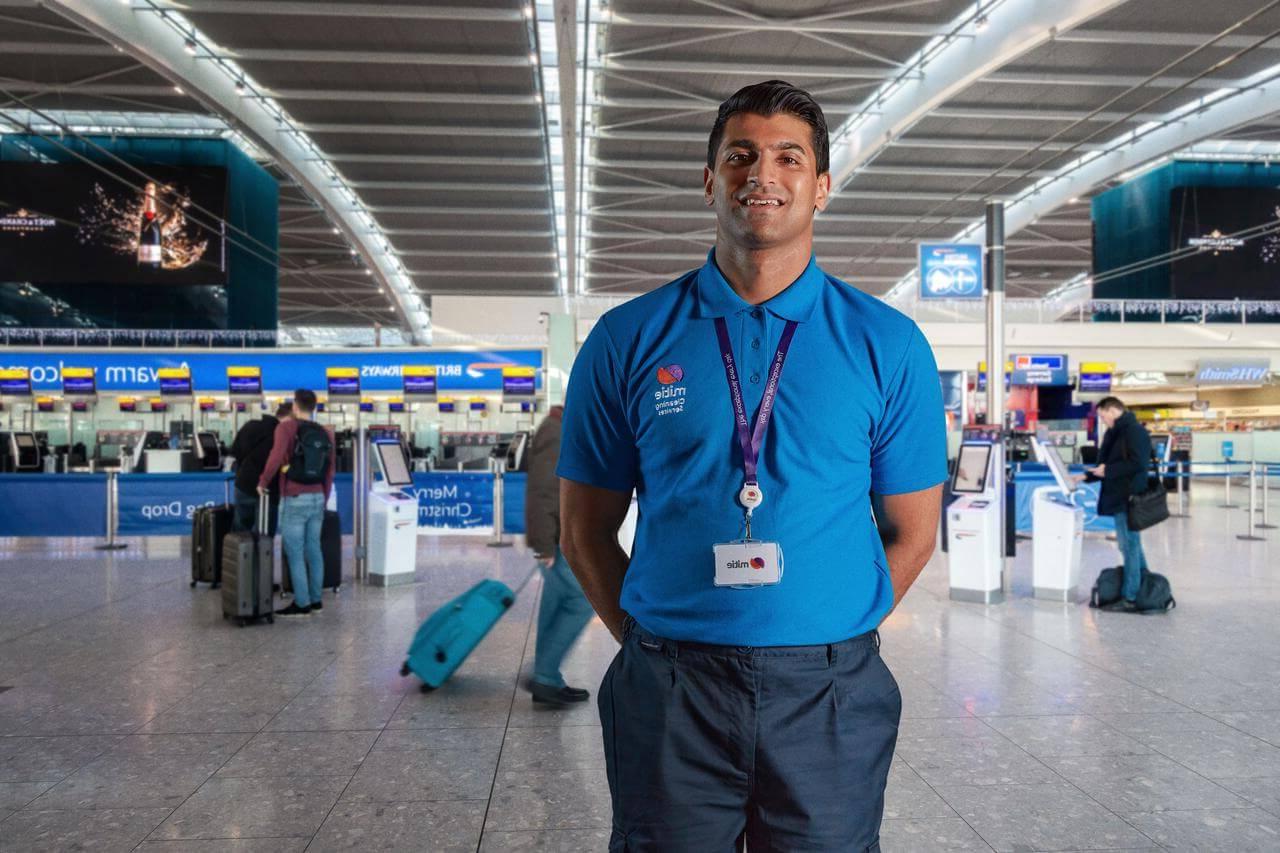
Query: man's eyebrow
[[784, 145]]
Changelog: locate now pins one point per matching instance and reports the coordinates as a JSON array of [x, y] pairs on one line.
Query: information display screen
[[79, 382], [15, 383], [366, 407], [1224, 266], [25, 441], [244, 383], [447, 406], [175, 386], [44, 405], [517, 386], [419, 381], [1160, 446], [157, 406], [128, 406], [75, 224], [343, 381], [207, 405], [395, 407], [79, 406], [971, 469], [392, 464], [479, 406]]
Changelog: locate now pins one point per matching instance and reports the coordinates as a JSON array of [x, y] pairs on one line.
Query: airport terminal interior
[[420, 211]]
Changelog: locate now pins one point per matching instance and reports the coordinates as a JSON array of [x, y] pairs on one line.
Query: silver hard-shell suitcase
[[248, 569]]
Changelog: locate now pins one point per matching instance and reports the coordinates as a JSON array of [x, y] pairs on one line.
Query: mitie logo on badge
[[756, 563], [669, 399]]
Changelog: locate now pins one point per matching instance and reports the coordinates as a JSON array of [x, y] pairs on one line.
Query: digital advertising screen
[[78, 381], [245, 381], [76, 224], [15, 382], [343, 381], [1224, 266]]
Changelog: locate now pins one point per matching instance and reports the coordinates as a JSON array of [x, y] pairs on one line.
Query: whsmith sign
[[128, 371], [1241, 371]]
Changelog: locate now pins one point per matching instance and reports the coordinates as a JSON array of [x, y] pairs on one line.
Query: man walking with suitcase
[[251, 447], [303, 454], [745, 704], [564, 610]]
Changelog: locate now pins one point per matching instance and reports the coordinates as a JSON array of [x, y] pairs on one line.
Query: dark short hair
[[770, 98], [305, 399], [284, 410], [1111, 403]]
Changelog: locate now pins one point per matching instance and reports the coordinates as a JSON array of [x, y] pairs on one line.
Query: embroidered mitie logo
[[668, 399]]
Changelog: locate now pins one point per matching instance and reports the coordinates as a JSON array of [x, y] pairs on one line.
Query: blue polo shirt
[[859, 409]]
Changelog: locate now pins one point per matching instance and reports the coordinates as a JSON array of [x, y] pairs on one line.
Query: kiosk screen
[[1049, 456], [25, 440], [391, 461], [395, 407], [1160, 447], [971, 469]]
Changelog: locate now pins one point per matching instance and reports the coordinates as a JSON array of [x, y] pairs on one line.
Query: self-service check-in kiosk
[[1057, 531], [973, 526], [393, 517]]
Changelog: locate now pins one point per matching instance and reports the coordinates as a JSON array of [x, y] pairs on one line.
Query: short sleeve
[[597, 445], [910, 448]]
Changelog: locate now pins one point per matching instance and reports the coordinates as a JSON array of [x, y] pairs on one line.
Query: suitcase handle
[[264, 514]]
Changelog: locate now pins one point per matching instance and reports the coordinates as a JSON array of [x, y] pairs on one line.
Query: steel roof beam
[[755, 71], [365, 57], [421, 130], [397, 12], [869, 195], [439, 210], [156, 42], [435, 160], [949, 143], [863, 218], [483, 99], [487, 233], [1012, 29], [695, 168]]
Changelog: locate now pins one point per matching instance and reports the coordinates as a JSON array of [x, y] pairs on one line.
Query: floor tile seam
[[1208, 779], [506, 729], [944, 801]]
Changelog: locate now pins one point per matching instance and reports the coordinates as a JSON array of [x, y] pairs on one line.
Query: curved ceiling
[[448, 123]]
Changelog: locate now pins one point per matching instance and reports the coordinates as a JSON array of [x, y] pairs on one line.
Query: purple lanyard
[[751, 440]]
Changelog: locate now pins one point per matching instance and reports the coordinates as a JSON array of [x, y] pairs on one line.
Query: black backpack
[[311, 451], [1154, 592]]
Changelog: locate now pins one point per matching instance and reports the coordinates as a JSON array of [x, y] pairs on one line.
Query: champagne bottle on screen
[[149, 231]]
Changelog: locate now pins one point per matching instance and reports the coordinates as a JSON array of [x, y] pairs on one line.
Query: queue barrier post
[[499, 469], [1226, 501], [1181, 470], [113, 514], [1249, 535], [1265, 524]]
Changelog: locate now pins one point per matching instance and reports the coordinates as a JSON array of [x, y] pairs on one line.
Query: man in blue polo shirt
[[749, 701]]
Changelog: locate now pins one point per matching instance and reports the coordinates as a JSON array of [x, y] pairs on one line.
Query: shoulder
[[652, 310], [871, 313]]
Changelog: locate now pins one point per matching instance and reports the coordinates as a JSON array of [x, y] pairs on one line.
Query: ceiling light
[[190, 47], [336, 231], [368, 272], [533, 58], [178, 89], [528, 10], [1073, 200]]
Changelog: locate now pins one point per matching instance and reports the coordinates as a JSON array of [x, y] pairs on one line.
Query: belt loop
[[876, 635], [832, 653]]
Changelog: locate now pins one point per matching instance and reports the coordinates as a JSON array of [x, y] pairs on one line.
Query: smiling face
[[765, 187]]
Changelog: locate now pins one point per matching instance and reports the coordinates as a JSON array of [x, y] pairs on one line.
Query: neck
[[758, 275]]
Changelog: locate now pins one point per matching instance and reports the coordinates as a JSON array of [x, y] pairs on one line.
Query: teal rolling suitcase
[[452, 632]]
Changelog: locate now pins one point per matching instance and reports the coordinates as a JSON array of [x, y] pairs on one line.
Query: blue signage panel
[[950, 271], [1228, 449], [164, 504], [282, 371], [1095, 383], [1040, 370]]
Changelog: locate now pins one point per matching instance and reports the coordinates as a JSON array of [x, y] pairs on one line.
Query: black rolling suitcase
[[209, 526], [248, 568], [330, 547]]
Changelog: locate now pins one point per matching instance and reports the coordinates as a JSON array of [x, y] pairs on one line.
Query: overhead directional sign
[[950, 271], [1040, 370]]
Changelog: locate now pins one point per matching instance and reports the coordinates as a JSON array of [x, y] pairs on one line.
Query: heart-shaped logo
[[757, 563], [669, 374]]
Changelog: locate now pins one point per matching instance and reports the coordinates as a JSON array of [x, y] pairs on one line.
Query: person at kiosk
[[1124, 458], [747, 703], [302, 452]]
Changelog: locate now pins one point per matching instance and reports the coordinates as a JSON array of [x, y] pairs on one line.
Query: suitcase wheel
[[440, 657], [215, 585], [241, 622], [507, 601], [425, 688], [404, 669], [193, 584]]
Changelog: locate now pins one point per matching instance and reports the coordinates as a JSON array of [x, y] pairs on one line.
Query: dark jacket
[[282, 447], [1126, 453], [251, 447], [542, 490]]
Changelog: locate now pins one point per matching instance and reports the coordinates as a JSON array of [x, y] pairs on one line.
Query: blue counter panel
[[1033, 476], [53, 505], [163, 504]]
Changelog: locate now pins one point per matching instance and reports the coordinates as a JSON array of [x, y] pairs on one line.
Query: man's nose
[[760, 173]]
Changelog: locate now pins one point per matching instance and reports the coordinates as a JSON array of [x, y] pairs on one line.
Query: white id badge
[[747, 563]]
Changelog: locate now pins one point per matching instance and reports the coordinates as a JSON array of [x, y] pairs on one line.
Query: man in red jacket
[[303, 454]]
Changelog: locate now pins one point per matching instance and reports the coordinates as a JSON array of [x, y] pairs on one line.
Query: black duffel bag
[[1149, 508], [1154, 592]]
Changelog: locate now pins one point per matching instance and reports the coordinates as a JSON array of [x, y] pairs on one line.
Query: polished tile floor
[[132, 717]]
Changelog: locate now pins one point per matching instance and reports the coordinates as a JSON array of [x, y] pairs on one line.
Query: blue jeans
[[1130, 542], [300, 520], [563, 614]]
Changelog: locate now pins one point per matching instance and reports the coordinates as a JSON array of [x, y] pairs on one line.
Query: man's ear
[[824, 191], [708, 186]]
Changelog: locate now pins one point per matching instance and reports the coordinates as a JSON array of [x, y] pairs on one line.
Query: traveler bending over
[[564, 610], [747, 703], [303, 454], [1124, 459], [251, 447]]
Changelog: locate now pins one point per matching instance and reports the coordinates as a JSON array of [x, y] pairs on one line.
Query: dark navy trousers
[[785, 748]]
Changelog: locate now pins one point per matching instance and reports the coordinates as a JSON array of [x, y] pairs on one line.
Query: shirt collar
[[717, 298]]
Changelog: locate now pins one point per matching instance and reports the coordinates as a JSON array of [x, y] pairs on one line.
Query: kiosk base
[[1047, 594], [978, 596], [391, 580]]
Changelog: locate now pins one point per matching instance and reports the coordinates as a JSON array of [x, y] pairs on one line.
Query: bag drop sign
[[164, 504]]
